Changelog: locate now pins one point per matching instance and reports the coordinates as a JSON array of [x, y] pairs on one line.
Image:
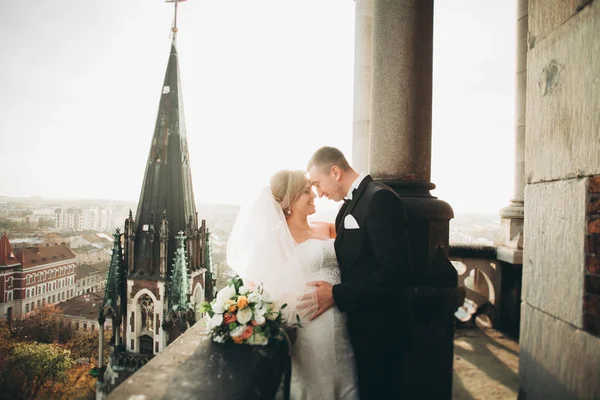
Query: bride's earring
[[289, 212]]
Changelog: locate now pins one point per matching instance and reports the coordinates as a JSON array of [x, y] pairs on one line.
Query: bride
[[273, 243]]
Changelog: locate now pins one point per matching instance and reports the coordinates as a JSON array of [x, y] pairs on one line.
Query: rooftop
[[84, 306], [39, 255], [84, 270]]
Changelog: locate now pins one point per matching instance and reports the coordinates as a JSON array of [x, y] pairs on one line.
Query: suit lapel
[[359, 191], [346, 209]]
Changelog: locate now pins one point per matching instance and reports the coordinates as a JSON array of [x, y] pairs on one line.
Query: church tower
[[161, 260]]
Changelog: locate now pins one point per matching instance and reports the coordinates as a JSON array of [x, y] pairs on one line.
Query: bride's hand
[[325, 299]]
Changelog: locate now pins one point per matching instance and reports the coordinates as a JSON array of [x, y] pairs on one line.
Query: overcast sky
[[265, 83]]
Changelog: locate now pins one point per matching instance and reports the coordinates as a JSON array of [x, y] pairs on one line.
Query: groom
[[373, 252]]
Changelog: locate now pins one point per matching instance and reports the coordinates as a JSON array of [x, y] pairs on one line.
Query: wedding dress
[[261, 250], [322, 359]]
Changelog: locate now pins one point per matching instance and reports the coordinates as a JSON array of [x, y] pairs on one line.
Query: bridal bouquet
[[241, 315]]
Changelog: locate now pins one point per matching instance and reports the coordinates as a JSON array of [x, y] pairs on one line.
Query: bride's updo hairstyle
[[287, 187]]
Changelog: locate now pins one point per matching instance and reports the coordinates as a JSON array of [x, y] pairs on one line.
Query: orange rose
[[247, 332], [232, 305], [238, 339], [229, 318], [242, 302]]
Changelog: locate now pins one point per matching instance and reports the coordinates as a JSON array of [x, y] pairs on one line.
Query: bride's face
[[305, 205]]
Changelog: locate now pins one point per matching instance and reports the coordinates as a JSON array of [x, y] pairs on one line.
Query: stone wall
[[560, 346]]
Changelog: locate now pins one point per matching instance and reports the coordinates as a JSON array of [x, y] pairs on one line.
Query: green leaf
[[283, 306], [232, 325]]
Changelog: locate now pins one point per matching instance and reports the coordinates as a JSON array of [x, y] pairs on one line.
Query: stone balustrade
[[194, 367]]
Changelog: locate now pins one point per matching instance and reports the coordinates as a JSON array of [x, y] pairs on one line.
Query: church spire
[[167, 185]]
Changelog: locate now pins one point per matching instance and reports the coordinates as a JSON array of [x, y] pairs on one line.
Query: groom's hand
[[324, 297]]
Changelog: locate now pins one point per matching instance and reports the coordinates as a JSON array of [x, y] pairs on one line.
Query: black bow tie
[[346, 200]]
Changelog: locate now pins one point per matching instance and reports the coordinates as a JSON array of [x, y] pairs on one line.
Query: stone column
[[511, 245], [362, 84], [100, 345], [400, 156], [400, 143]]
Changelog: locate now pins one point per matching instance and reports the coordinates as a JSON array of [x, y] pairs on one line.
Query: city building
[[81, 312], [34, 276], [91, 278]]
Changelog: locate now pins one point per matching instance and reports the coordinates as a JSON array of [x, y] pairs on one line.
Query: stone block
[[554, 267], [545, 16], [546, 369], [563, 98]]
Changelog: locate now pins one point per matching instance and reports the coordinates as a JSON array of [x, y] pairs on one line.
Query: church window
[[147, 308]]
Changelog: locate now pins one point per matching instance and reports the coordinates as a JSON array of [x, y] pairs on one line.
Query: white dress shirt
[[355, 185]]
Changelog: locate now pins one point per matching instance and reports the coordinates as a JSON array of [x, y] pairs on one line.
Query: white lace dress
[[322, 361]]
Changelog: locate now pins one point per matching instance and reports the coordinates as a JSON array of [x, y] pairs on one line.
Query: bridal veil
[[261, 250]]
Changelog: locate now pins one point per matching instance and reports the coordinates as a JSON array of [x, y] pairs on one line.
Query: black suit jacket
[[375, 260]]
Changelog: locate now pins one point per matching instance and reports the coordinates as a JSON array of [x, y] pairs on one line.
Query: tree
[[34, 368], [42, 325], [84, 344]]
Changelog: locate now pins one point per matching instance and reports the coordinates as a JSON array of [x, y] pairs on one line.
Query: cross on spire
[[174, 28]]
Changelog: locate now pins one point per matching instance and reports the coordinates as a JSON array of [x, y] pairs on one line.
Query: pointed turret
[[179, 287], [112, 292], [167, 186], [7, 256], [211, 276]]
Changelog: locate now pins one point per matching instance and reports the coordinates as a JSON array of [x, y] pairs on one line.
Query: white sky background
[[265, 83]]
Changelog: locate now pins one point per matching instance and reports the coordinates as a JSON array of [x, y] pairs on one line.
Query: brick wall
[[591, 300]]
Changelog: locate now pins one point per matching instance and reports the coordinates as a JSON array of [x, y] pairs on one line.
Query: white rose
[[244, 315], [219, 339], [243, 290], [267, 298], [260, 339], [225, 294], [254, 297], [260, 310], [215, 321], [218, 307], [260, 319], [237, 331], [272, 316]]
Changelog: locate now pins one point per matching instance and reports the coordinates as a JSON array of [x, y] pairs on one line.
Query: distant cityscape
[[86, 226]]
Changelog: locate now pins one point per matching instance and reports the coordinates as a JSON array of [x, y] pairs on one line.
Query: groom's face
[[327, 184]]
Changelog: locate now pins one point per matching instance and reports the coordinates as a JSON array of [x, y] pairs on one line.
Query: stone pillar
[[100, 345], [400, 156], [511, 244], [362, 84], [402, 90]]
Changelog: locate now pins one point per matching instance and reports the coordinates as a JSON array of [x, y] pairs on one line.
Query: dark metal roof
[[167, 186]]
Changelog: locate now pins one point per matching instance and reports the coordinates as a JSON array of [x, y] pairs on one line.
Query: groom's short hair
[[326, 157]]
